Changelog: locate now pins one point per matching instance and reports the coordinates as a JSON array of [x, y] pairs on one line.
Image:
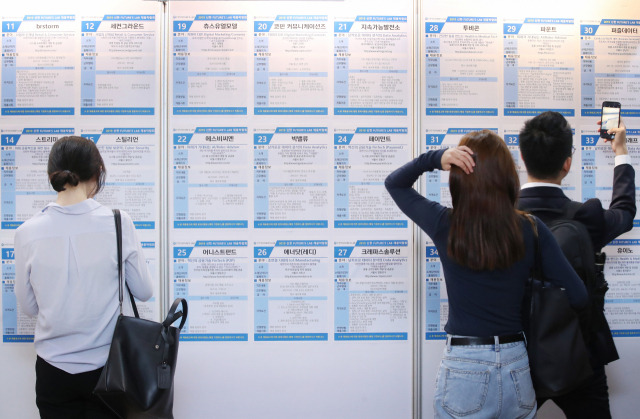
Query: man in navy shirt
[[546, 146]]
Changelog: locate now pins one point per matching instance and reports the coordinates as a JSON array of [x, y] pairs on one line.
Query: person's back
[[487, 251], [70, 254], [546, 148], [67, 277]]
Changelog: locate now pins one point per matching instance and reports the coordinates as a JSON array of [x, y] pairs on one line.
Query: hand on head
[[461, 156]]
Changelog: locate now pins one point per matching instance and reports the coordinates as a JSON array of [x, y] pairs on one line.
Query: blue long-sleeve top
[[481, 303]]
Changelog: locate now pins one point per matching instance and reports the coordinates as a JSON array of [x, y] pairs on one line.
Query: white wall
[[331, 379]]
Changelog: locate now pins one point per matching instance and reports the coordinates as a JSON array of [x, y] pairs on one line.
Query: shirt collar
[[80, 208], [539, 184]]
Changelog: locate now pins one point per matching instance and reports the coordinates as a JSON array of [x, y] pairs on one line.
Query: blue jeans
[[485, 381]]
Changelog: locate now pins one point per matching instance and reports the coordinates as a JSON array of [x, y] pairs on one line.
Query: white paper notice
[[210, 65], [371, 60], [291, 290], [291, 73], [211, 275], [540, 71], [371, 290], [610, 65], [119, 63], [462, 66], [38, 65]]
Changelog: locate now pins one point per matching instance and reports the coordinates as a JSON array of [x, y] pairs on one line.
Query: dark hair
[[75, 159], [545, 144], [486, 231]]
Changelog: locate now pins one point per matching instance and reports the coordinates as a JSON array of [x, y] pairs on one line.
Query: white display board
[[90, 70], [250, 140], [295, 262], [493, 66]]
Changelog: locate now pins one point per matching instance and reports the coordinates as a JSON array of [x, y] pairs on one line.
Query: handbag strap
[[118, 221], [172, 315]]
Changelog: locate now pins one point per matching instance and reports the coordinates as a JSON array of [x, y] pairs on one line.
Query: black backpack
[[575, 242]]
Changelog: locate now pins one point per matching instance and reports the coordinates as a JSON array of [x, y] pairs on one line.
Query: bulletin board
[[249, 141]]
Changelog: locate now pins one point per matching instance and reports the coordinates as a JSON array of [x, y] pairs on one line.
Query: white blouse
[[67, 277]]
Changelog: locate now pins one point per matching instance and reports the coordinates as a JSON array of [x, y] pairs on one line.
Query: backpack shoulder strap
[[569, 209], [566, 212]]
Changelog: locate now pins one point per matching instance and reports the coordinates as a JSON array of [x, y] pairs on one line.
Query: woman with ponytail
[[486, 247], [67, 278]]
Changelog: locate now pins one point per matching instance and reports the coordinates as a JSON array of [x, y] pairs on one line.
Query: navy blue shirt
[[481, 303]]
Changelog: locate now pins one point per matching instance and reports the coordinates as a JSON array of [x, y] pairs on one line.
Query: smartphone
[[610, 118]]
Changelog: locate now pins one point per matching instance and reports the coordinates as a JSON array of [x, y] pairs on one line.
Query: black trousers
[[60, 395], [589, 401]]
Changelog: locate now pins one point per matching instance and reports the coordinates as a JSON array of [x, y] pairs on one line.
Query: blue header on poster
[[129, 17], [545, 20], [129, 131], [182, 25], [8, 254], [512, 139], [221, 130], [262, 139], [342, 27], [381, 18], [620, 22], [382, 243], [301, 130], [302, 243], [221, 17], [49, 17], [302, 17], [588, 29], [431, 252], [471, 19], [382, 130], [35, 131], [221, 243], [433, 27], [463, 131], [511, 28], [262, 251], [342, 251], [342, 139]]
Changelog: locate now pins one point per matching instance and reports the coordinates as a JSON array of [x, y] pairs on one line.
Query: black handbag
[[558, 356], [137, 379]]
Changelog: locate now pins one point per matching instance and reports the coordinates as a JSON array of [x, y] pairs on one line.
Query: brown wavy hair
[[486, 231]]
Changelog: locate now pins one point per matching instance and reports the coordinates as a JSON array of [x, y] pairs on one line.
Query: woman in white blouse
[[67, 278]]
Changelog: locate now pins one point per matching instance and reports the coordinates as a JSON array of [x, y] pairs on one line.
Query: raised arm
[[422, 211], [606, 225]]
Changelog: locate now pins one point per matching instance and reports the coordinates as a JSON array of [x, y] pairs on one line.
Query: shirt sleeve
[[556, 268], [622, 159], [424, 212], [136, 271], [24, 291]]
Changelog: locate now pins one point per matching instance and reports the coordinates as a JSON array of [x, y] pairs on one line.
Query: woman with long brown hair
[[487, 250]]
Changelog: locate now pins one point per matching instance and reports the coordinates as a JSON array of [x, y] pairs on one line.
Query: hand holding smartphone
[[610, 118]]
